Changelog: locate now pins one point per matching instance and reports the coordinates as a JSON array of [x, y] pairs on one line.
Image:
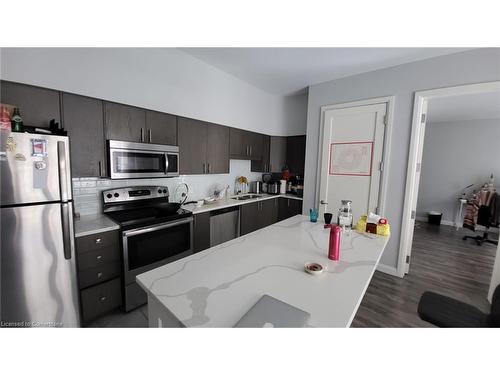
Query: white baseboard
[[393, 271], [443, 222]]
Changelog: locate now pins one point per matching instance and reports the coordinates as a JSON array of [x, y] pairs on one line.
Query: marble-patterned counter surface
[[234, 202], [216, 287], [91, 224]]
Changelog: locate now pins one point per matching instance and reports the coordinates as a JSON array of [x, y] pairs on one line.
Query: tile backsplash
[[87, 190]]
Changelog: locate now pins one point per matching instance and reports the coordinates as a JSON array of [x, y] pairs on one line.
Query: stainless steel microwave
[[142, 160]]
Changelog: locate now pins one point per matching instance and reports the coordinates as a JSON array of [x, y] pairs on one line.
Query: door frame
[[416, 147], [389, 102]]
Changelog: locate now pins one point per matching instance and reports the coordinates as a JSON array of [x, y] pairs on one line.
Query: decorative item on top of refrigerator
[[6, 111], [344, 218]]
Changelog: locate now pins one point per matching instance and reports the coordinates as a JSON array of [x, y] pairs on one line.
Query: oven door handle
[[135, 232]]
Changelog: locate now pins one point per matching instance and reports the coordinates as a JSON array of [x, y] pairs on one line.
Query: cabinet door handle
[[99, 257], [150, 132], [142, 135], [100, 169], [204, 169], [98, 240], [250, 150], [103, 299], [288, 202], [208, 168], [99, 275]]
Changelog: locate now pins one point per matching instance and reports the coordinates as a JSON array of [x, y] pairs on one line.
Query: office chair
[[447, 312]]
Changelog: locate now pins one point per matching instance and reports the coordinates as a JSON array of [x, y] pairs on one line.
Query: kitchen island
[[216, 287]]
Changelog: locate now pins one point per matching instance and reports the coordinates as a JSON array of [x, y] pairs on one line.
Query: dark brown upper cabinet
[[262, 164], [245, 145], [277, 154], [124, 122], [203, 147], [296, 154], [192, 146], [83, 118], [238, 144], [161, 128], [37, 105], [217, 149]]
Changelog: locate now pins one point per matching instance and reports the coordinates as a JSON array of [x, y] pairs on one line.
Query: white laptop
[[271, 312]]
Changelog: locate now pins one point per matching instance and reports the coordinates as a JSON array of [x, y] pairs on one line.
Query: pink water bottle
[[334, 245]]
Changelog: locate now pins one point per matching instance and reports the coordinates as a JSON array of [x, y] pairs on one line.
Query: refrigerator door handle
[[63, 168], [67, 224]]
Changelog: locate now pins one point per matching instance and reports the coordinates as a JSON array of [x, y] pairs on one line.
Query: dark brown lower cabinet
[[201, 229], [100, 299], [257, 215], [288, 207], [99, 264]]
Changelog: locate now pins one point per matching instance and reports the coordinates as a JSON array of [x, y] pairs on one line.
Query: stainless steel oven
[[142, 160], [150, 247]]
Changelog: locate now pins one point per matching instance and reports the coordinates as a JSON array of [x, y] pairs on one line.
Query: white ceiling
[[286, 71], [464, 108]]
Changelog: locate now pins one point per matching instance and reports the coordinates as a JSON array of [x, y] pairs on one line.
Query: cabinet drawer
[[100, 299], [97, 241], [94, 258], [96, 275]]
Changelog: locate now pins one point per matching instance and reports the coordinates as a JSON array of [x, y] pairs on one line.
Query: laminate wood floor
[[441, 262]]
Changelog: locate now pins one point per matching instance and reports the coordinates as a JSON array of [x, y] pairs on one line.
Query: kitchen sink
[[246, 196]]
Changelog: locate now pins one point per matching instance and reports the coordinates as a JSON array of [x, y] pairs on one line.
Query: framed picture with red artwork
[[351, 158]]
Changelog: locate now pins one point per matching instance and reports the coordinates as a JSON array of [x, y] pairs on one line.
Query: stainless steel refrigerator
[[38, 274]]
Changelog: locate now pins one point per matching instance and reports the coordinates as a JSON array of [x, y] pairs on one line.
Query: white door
[[352, 152]]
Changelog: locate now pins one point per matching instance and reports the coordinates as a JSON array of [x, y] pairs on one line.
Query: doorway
[[426, 192], [354, 147]]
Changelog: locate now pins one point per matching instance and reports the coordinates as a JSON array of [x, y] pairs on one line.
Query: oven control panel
[[134, 193]]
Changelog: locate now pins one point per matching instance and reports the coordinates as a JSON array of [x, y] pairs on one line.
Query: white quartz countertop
[[92, 224], [234, 202], [216, 287]]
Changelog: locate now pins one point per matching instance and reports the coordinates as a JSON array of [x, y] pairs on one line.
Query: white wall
[[163, 79], [456, 154], [402, 81], [294, 114]]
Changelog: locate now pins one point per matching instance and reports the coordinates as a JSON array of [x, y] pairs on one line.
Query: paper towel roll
[[283, 187]]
